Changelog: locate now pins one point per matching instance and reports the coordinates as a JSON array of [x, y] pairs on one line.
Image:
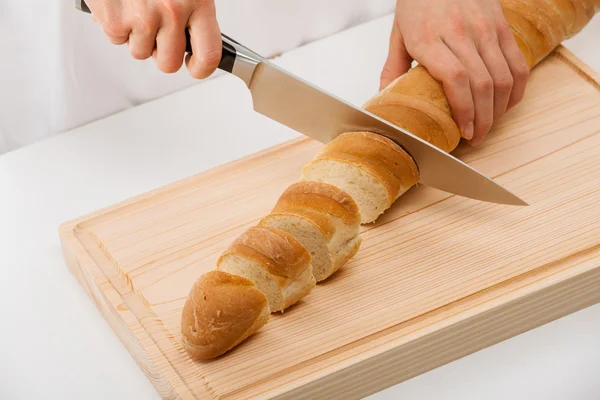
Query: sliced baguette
[[221, 311], [372, 169], [324, 219], [275, 261]]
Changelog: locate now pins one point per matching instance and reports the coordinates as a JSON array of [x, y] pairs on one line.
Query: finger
[[170, 48], [205, 37], [113, 25], [497, 66], [482, 87], [118, 40], [398, 61], [116, 34], [516, 63], [141, 43], [443, 65]]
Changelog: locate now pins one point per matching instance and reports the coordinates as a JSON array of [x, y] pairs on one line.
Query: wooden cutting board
[[437, 277]]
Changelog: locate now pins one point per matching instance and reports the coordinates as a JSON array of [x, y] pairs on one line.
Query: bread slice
[[221, 311], [275, 261], [371, 168], [324, 219]]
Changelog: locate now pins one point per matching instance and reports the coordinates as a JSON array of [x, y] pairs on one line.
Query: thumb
[[205, 38], [398, 61]]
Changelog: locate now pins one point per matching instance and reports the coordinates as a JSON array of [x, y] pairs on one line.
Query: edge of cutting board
[[110, 302], [513, 307]]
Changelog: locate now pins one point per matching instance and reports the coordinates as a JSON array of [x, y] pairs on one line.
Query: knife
[[303, 107]]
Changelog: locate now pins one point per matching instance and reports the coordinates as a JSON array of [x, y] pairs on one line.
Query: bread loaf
[[541, 25], [417, 102], [220, 312], [371, 168], [324, 219], [275, 261]]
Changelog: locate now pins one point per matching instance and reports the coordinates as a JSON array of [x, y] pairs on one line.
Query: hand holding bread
[[418, 102], [468, 47], [314, 227]]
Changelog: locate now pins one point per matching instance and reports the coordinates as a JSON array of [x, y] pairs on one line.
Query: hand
[[157, 28], [466, 45]]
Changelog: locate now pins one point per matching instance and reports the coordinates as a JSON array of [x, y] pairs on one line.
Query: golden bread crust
[[320, 197], [278, 251], [221, 311]]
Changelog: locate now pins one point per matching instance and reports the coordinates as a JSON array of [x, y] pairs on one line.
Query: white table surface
[[55, 344]]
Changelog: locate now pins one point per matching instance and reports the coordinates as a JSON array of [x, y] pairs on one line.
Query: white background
[[55, 344], [59, 71]]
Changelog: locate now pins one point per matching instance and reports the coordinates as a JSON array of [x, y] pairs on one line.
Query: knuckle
[[462, 113], [174, 10], [485, 84], [145, 23], [457, 23], [458, 74], [458, 28], [462, 110], [206, 65], [115, 28], [482, 25], [426, 35], [521, 71], [210, 59], [484, 30], [485, 125], [503, 83], [503, 29]]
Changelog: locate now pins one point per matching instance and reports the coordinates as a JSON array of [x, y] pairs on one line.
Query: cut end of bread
[[270, 285], [221, 311], [277, 250], [321, 197], [419, 117], [299, 288], [274, 260], [372, 169], [371, 195], [321, 216], [346, 252], [314, 236]]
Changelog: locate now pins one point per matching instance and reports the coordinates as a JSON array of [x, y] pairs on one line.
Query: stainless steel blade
[[322, 116]]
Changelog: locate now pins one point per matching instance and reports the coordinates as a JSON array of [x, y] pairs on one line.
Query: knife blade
[[312, 111], [322, 116]]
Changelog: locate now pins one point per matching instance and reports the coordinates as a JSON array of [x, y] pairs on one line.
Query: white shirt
[[59, 71]]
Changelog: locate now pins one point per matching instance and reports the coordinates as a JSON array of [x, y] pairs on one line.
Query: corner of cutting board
[[581, 68]]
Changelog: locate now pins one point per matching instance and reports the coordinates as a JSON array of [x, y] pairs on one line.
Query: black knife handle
[[228, 54]]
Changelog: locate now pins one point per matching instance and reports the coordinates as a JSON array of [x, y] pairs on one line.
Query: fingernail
[[468, 131]]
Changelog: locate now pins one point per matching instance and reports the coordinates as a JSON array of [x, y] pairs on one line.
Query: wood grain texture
[[437, 277]]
